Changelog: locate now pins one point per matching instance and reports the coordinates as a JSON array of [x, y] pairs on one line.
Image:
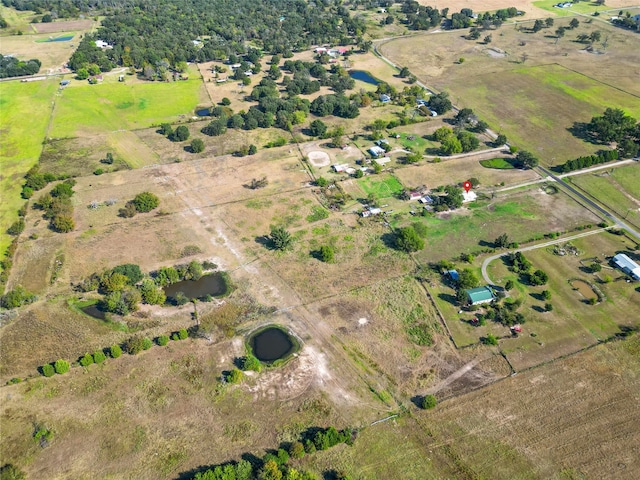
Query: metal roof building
[[628, 266], [480, 295]]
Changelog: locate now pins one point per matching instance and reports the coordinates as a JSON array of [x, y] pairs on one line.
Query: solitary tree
[[280, 238], [197, 145], [502, 241], [145, 202], [408, 240], [326, 253], [526, 159], [429, 401]]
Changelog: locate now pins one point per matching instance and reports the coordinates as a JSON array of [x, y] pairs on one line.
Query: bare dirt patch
[[319, 159], [64, 26]]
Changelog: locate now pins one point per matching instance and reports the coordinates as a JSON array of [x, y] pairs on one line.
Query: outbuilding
[[628, 266], [480, 295]]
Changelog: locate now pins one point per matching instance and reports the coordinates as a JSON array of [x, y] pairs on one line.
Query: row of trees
[[587, 161]]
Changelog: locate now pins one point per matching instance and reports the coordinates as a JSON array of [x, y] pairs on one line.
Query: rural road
[[592, 204], [599, 167], [490, 259]]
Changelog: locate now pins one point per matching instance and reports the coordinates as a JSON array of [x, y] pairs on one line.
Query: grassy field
[[617, 190], [381, 187], [528, 86], [498, 163], [84, 110], [21, 141]]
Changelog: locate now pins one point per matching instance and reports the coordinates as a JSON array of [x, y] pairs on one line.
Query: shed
[[384, 98], [376, 151], [628, 266], [480, 295], [453, 275], [64, 83], [340, 167]]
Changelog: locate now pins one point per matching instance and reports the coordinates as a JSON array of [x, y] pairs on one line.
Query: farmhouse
[[415, 195], [628, 266], [371, 211], [480, 295], [102, 44]]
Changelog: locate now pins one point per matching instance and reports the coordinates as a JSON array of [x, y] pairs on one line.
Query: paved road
[[490, 259], [601, 210]]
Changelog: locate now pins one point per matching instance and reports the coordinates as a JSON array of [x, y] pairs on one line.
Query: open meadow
[[85, 110], [528, 85], [618, 190], [20, 141]]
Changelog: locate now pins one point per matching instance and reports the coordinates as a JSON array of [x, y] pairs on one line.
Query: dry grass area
[[53, 55], [64, 26], [528, 99]]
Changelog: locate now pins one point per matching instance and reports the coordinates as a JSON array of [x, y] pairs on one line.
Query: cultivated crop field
[[527, 85]]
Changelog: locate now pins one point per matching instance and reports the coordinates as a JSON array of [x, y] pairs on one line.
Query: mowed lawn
[[381, 188], [92, 109], [25, 109], [535, 107], [522, 216]]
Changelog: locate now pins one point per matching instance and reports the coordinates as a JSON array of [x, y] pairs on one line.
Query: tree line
[[12, 67]]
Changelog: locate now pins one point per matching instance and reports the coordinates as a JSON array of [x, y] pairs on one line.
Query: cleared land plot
[[523, 215], [53, 55], [618, 190], [546, 431], [386, 186], [530, 103], [457, 170], [79, 157], [573, 323], [533, 104], [84, 110], [19, 21], [584, 7], [64, 26], [20, 141]]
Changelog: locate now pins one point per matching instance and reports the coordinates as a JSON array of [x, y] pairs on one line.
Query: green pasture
[[616, 191], [92, 109], [25, 109], [581, 7], [381, 186], [498, 163], [418, 144], [535, 106]]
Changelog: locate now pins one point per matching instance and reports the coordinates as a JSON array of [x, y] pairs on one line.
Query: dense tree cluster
[[12, 67], [147, 36], [16, 298], [420, 17], [57, 206], [451, 200], [627, 21], [615, 126]]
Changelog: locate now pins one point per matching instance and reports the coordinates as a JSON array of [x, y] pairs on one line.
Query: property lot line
[[490, 259]]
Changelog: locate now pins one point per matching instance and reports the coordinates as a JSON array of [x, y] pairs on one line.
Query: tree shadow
[[417, 400], [537, 296], [484, 243], [447, 297], [265, 241], [316, 254], [389, 240], [538, 308], [581, 130]]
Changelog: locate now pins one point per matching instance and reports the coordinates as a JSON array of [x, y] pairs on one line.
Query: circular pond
[[272, 343]]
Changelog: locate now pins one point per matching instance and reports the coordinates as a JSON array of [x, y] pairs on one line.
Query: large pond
[[363, 76], [93, 311], [214, 284], [271, 344]]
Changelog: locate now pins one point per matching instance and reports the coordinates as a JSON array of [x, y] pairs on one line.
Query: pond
[[363, 76], [584, 288], [271, 344], [203, 112], [213, 284], [93, 311]]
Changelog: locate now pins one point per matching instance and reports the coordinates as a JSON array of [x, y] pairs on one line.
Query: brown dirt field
[[566, 419], [64, 26]]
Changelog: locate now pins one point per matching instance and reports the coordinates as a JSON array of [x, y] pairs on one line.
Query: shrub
[[48, 370], [162, 340], [134, 345], [428, 402], [145, 202], [175, 337], [61, 366], [326, 253], [250, 362], [508, 285], [146, 343], [99, 356], [490, 340], [11, 472], [197, 145], [296, 450], [86, 360], [235, 376], [180, 298], [548, 307], [183, 334], [98, 171], [115, 351], [63, 223]]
